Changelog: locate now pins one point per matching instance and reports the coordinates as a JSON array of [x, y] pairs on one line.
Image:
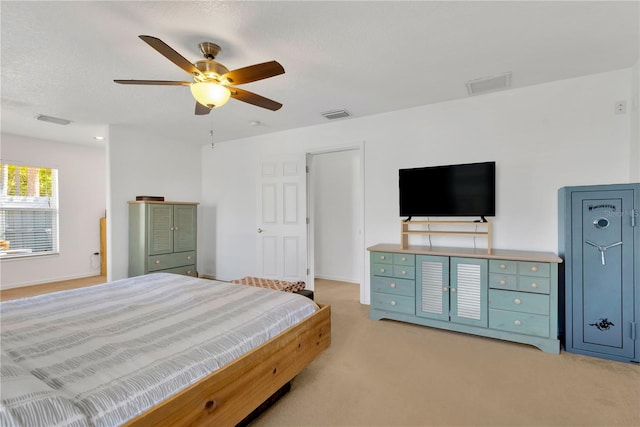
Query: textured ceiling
[[60, 58]]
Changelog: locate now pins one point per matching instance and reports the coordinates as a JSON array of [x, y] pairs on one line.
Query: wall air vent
[[337, 114], [50, 119], [489, 84]]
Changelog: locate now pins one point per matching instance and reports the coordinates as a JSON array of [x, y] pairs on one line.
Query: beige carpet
[[387, 373]]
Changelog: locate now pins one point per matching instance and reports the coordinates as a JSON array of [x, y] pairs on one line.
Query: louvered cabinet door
[[468, 291], [432, 287], [160, 232]]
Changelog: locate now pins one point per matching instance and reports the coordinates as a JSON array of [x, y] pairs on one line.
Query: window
[[28, 211]]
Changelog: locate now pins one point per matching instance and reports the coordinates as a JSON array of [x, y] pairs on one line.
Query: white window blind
[[28, 210]]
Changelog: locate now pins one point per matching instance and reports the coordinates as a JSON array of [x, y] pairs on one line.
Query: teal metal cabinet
[[599, 237], [508, 295], [162, 237], [452, 289]]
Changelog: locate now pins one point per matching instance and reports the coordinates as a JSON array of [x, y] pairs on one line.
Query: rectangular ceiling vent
[[489, 84], [337, 114], [50, 119]]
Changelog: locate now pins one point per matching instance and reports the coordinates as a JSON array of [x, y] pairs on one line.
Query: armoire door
[[601, 296]]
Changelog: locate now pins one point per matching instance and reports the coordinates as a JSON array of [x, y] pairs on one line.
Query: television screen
[[452, 190]]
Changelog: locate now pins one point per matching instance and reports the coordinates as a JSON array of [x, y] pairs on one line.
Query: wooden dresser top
[[507, 254]]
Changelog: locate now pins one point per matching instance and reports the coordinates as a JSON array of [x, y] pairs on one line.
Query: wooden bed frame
[[229, 394]]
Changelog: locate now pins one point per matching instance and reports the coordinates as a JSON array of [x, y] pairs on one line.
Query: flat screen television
[[452, 190]]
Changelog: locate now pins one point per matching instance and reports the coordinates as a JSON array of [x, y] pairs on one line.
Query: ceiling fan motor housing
[[211, 69]]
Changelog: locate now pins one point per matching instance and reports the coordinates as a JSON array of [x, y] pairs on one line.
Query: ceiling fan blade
[[202, 110], [173, 56], [254, 72], [152, 82], [254, 99]]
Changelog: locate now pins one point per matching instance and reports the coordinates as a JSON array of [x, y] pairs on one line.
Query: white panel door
[[281, 222]]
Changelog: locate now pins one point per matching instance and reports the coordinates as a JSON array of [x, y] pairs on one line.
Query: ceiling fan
[[212, 81]]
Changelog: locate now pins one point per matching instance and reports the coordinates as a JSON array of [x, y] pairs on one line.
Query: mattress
[[102, 355]]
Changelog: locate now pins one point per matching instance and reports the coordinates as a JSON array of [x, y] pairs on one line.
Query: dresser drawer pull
[[157, 261], [517, 323], [175, 228], [393, 303], [189, 257], [453, 289], [393, 285], [503, 282], [188, 271], [502, 266], [403, 273], [403, 259], [445, 289], [517, 301], [382, 257], [534, 285], [382, 270], [534, 268]]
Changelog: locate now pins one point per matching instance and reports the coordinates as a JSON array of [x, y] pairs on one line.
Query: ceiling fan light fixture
[[210, 94]]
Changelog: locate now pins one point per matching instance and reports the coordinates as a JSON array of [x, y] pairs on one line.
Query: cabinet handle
[[404, 259], [393, 285], [171, 228], [445, 289], [157, 261], [534, 285], [534, 268], [517, 301], [382, 257], [189, 257], [503, 282], [382, 270], [403, 272], [502, 266], [517, 323], [188, 271], [393, 303], [453, 289], [175, 228]]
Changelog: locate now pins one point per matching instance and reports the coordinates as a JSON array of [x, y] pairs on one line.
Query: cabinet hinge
[[308, 271], [634, 215], [307, 168], [633, 331], [307, 220]]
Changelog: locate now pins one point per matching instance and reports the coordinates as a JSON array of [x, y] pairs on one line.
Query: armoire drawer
[[503, 266], [523, 323], [539, 285], [503, 281], [404, 259], [382, 258], [519, 301], [187, 270], [538, 269], [395, 286], [163, 262]]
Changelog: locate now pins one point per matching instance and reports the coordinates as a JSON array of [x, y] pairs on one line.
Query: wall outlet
[[620, 107]]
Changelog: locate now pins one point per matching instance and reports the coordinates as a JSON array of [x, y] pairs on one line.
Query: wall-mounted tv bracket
[[602, 249]]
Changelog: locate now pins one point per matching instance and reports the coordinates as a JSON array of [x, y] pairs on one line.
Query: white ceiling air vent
[[489, 84], [50, 119], [336, 114]]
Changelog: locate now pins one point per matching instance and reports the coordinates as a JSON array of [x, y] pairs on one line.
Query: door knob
[[260, 230]]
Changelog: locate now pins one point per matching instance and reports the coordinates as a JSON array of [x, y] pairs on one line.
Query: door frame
[[356, 146]]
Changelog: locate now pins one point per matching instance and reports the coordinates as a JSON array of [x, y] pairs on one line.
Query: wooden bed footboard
[[229, 394]]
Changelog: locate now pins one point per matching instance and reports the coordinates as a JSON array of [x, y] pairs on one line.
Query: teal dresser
[[162, 238], [508, 295]]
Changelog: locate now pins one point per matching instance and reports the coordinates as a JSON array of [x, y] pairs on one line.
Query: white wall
[[335, 177], [542, 138], [141, 164], [82, 199], [633, 104]]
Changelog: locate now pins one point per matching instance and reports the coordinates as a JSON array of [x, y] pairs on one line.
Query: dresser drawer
[[404, 259], [382, 270], [382, 257], [397, 303], [503, 266], [388, 285], [519, 301], [407, 272], [538, 269], [163, 262], [538, 285], [523, 323], [503, 281], [186, 270]]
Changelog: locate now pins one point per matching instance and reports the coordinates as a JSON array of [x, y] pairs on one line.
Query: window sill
[[14, 254]]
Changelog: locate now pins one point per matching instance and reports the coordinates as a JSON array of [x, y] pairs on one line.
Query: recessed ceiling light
[[50, 119]]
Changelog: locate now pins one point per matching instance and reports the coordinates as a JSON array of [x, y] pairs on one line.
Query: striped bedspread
[[102, 355]]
